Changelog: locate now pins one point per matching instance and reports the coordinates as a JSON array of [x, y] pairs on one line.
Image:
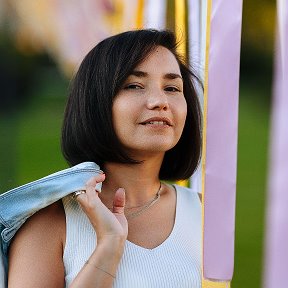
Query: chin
[[149, 147], [158, 147]]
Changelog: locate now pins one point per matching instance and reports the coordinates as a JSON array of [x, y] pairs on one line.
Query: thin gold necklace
[[144, 207]]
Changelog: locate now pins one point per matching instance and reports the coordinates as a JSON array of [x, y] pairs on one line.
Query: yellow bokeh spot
[[210, 284], [184, 183]]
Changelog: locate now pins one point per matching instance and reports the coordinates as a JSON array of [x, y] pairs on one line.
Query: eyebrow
[[142, 74]]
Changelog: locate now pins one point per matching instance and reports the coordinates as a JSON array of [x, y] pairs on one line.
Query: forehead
[[160, 60]]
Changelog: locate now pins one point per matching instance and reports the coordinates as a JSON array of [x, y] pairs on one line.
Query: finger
[[96, 179], [90, 189], [91, 184], [119, 201]]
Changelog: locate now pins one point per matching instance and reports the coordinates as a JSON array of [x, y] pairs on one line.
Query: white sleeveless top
[[174, 263]]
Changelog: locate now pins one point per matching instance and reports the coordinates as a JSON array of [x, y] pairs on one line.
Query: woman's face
[[149, 111]]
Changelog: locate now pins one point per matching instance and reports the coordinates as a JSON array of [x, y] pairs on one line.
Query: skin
[[154, 90]]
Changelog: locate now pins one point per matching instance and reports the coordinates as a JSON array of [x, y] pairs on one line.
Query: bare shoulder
[[35, 254], [41, 224]]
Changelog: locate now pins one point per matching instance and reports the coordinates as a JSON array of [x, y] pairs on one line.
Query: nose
[[157, 100]]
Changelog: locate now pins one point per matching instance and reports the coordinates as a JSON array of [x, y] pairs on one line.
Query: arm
[[35, 254], [112, 230], [101, 267]]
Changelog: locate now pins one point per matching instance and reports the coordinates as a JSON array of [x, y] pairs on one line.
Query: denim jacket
[[20, 203]]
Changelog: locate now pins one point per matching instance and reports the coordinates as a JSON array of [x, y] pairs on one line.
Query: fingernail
[[98, 187]]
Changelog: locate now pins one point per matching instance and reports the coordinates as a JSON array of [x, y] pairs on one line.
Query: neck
[[140, 181]]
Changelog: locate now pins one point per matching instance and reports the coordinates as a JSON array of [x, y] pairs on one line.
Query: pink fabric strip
[[276, 262], [222, 130]]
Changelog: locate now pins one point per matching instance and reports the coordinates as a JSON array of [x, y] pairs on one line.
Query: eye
[[133, 86], [172, 89]]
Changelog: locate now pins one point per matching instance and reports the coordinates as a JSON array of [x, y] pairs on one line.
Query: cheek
[[181, 110], [121, 115], [118, 110], [122, 107], [116, 117]]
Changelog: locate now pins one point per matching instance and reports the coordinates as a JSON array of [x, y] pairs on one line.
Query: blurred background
[[41, 44]]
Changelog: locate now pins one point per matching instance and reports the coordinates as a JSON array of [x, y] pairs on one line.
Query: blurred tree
[[259, 25], [258, 33], [19, 75]]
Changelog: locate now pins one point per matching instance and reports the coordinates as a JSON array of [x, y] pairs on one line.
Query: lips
[[157, 121]]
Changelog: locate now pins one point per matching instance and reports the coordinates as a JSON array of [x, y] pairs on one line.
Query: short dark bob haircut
[[88, 133]]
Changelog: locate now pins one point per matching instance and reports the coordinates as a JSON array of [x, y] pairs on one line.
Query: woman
[[134, 111]]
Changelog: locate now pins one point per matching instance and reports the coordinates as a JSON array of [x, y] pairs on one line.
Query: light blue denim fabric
[[20, 203]]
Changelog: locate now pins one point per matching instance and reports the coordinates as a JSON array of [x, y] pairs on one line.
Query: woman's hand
[[108, 225]]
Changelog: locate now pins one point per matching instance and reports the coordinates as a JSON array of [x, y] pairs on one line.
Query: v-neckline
[[171, 234]]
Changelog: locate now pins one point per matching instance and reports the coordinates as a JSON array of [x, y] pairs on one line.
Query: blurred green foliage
[[257, 45], [33, 93], [258, 26], [251, 184]]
